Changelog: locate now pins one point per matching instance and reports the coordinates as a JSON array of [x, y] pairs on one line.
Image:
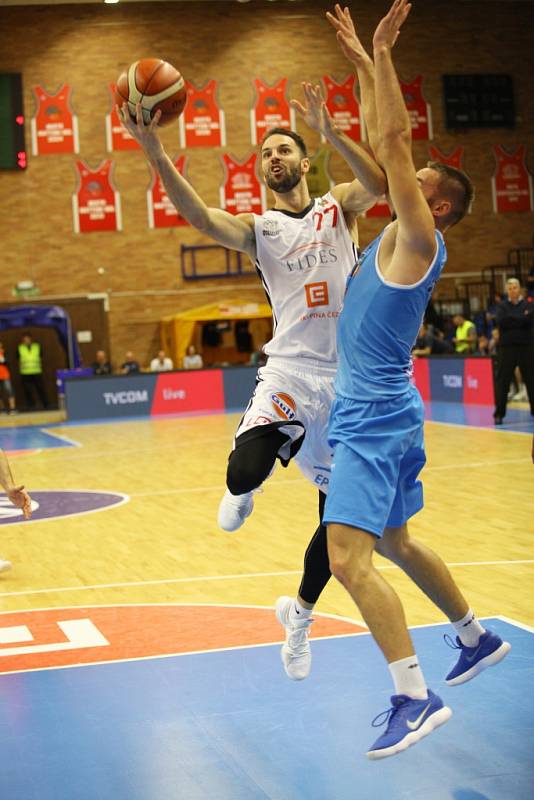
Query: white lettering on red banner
[[419, 110], [242, 191], [117, 137], [96, 205], [54, 126], [271, 110], [343, 107], [162, 213], [512, 183], [202, 122]]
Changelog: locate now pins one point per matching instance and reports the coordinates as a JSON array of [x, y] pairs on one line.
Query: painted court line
[[512, 621], [61, 437], [274, 481], [500, 430], [115, 452], [242, 576]]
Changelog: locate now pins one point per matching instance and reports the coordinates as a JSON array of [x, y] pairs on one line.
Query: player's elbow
[[200, 219], [380, 183]]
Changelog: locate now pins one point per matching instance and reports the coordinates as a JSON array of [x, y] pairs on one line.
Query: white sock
[[408, 678], [469, 629], [297, 611]]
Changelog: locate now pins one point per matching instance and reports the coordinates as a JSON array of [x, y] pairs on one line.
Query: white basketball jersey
[[304, 260]]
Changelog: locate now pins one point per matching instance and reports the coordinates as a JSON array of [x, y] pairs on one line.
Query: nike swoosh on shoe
[[472, 658], [414, 724]]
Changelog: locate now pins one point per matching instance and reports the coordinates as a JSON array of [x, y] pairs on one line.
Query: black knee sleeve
[[252, 460]]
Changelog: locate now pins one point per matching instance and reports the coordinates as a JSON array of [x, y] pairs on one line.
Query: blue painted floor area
[[30, 438], [517, 419], [230, 726]]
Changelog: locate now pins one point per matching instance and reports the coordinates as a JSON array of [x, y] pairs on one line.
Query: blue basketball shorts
[[378, 454]]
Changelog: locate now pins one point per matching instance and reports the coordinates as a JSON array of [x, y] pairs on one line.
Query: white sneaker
[[521, 394], [234, 509], [5, 565], [296, 651]]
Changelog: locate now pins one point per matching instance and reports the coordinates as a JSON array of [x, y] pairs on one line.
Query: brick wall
[[88, 45]]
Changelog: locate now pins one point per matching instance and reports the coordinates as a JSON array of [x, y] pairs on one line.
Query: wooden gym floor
[[150, 575]]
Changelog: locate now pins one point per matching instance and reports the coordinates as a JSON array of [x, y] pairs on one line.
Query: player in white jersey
[[303, 249], [303, 260]]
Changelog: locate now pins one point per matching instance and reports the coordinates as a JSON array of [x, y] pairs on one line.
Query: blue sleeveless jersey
[[378, 327]]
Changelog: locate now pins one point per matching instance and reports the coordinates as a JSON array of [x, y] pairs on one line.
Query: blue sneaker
[[408, 721], [489, 651]]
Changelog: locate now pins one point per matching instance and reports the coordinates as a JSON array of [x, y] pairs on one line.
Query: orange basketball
[[155, 84]]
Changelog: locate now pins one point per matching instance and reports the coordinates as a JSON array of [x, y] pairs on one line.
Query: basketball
[[155, 84]]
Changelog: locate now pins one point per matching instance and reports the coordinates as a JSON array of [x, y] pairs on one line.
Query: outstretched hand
[[388, 28], [315, 113], [21, 499], [144, 133], [346, 35]]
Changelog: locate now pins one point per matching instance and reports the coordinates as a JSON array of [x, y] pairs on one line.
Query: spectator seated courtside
[[130, 366], [192, 359], [161, 363], [101, 365], [430, 342]]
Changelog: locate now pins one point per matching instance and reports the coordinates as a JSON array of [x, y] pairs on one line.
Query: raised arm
[[235, 232], [370, 181], [415, 243], [354, 51]]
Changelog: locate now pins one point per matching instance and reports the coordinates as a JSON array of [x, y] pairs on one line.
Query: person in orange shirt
[[16, 494], [6, 389]]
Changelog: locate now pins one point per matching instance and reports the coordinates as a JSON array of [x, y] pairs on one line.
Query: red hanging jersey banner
[[453, 159], [242, 191], [419, 110], [343, 107], [54, 126], [512, 183], [161, 211], [272, 110], [380, 209], [96, 205], [117, 137], [202, 121]]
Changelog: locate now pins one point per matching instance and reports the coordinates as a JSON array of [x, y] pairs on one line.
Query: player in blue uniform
[[376, 425]]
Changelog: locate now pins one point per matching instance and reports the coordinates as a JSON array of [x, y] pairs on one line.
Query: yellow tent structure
[[177, 330]]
